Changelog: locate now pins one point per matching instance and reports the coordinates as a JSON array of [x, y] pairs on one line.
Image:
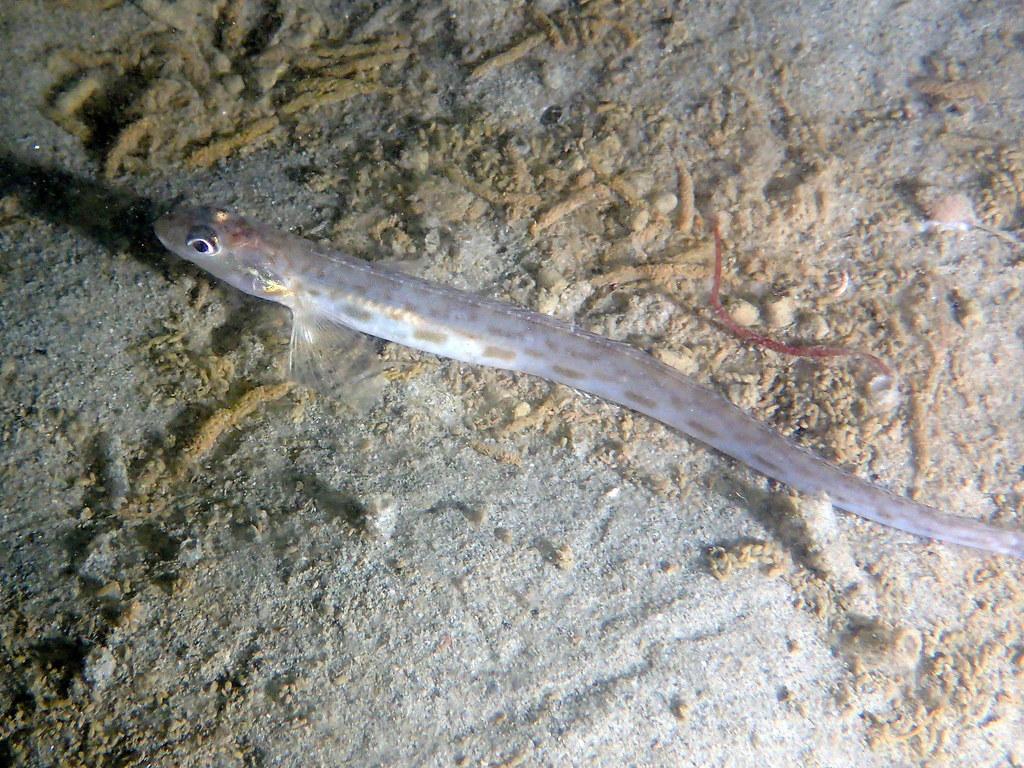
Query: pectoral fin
[[334, 360]]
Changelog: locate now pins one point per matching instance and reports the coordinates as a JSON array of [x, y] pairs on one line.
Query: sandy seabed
[[202, 564]]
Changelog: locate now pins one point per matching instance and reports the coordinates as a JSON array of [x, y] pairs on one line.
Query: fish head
[[225, 245]]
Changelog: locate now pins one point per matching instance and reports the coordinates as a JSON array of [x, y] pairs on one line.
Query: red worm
[[767, 342]]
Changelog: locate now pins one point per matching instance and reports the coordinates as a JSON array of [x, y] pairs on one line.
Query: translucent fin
[[334, 360], [415, 267]]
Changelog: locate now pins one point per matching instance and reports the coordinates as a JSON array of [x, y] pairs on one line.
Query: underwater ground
[[202, 563]]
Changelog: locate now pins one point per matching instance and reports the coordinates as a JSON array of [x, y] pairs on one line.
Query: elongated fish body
[[323, 286]]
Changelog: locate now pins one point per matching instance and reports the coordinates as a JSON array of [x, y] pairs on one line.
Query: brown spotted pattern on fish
[[324, 286]]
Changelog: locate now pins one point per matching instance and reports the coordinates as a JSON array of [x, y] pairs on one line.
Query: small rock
[[640, 220], [99, 667], [744, 313], [682, 361], [381, 517], [780, 312], [550, 279], [814, 327], [664, 203], [968, 311]]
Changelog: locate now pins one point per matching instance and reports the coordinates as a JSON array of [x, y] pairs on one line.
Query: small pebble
[[415, 159], [814, 327], [951, 212], [681, 361], [233, 84], [381, 517], [744, 313], [550, 279], [640, 220], [220, 63], [968, 311], [780, 312], [665, 203]]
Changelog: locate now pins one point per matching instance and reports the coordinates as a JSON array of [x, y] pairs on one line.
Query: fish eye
[[203, 241]]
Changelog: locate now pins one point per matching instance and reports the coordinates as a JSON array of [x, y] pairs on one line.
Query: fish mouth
[[172, 228], [165, 227]]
